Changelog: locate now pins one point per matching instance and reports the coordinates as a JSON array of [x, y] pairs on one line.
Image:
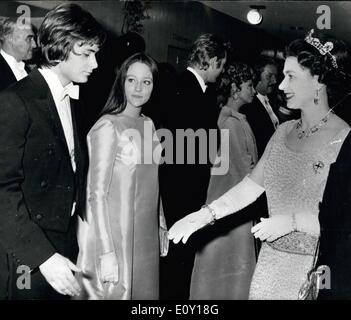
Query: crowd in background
[[90, 218]]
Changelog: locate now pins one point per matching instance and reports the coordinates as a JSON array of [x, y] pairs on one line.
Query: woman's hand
[[109, 268], [273, 228], [185, 227]]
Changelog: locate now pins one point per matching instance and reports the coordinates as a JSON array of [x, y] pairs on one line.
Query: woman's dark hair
[[117, 101], [62, 28], [336, 76], [237, 73]]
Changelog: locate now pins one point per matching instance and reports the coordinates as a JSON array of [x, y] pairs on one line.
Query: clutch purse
[[310, 288]]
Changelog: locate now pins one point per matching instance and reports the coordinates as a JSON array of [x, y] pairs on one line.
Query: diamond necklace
[[308, 132], [324, 120]]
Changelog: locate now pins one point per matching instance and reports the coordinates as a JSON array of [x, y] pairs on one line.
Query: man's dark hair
[[205, 47], [260, 63], [62, 28]]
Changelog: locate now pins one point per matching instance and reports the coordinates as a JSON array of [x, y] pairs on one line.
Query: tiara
[[323, 49]]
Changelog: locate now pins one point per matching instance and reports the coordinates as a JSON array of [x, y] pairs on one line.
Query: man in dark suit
[[335, 223], [260, 115], [184, 186], [17, 44], [43, 161]]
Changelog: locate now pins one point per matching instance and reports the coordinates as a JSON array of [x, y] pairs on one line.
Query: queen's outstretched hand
[[186, 226]]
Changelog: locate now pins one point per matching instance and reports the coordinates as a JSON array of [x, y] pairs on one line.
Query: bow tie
[[71, 90]]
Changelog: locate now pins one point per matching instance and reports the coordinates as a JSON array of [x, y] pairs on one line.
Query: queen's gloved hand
[[186, 226], [273, 228]]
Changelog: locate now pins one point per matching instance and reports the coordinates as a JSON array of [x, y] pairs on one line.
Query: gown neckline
[[329, 142]]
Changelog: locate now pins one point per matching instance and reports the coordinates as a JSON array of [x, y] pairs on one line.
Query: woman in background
[[292, 171], [119, 238], [224, 265]]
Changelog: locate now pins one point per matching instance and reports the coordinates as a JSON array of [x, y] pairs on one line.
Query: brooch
[[318, 166]]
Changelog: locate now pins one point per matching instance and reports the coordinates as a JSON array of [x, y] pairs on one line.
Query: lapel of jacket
[[81, 155], [194, 84], [264, 113], [76, 132], [46, 102], [6, 72], [26, 67], [194, 102]]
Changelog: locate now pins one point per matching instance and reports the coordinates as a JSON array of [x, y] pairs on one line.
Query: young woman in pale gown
[[292, 171], [124, 229]]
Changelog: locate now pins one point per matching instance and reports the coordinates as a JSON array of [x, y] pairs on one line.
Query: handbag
[[310, 288]]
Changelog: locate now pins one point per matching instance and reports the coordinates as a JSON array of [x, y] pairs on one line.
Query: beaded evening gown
[[122, 208], [294, 182]]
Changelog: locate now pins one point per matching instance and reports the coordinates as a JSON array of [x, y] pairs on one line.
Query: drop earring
[[233, 93], [316, 98], [235, 96]]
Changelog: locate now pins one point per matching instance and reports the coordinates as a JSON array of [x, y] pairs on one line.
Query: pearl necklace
[[308, 132]]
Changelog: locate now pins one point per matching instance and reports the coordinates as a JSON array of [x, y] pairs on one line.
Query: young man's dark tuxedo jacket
[[6, 75], [37, 182], [335, 222], [260, 123]]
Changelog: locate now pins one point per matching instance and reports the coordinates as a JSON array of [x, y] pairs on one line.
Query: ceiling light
[[254, 16]]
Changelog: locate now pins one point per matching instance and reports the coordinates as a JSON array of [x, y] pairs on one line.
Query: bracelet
[[213, 213], [293, 223]]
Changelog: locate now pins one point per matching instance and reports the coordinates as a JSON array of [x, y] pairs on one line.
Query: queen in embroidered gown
[[292, 171], [119, 239], [294, 182]]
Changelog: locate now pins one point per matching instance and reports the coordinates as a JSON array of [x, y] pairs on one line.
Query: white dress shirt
[[199, 79], [265, 101], [16, 67]]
